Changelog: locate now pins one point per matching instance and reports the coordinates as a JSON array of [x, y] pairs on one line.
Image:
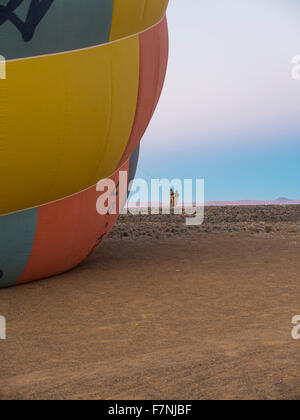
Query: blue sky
[[230, 110]]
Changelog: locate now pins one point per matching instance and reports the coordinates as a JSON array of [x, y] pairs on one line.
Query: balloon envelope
[[82, 83]]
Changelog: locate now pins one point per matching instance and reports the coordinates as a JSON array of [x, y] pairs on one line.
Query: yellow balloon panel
[[65, 121], [133, 16]]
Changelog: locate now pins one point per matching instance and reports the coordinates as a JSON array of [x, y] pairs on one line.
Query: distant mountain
[[282, 200]]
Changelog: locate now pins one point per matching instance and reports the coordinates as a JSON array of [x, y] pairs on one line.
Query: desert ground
[[164, 311]]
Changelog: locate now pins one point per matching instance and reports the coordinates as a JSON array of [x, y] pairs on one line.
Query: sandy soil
[[197, 315]]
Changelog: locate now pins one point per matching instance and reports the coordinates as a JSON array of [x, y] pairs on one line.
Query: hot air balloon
[[83, 79]]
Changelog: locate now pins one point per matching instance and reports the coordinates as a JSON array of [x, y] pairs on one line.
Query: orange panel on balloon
[[68, 231]]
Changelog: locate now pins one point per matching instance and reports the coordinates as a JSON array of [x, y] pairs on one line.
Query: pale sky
[[230, 104]]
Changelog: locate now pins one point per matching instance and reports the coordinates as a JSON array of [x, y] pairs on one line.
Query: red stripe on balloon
[[154, 51]]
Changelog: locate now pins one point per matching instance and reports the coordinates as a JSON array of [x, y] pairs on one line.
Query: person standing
[[172, 198]]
